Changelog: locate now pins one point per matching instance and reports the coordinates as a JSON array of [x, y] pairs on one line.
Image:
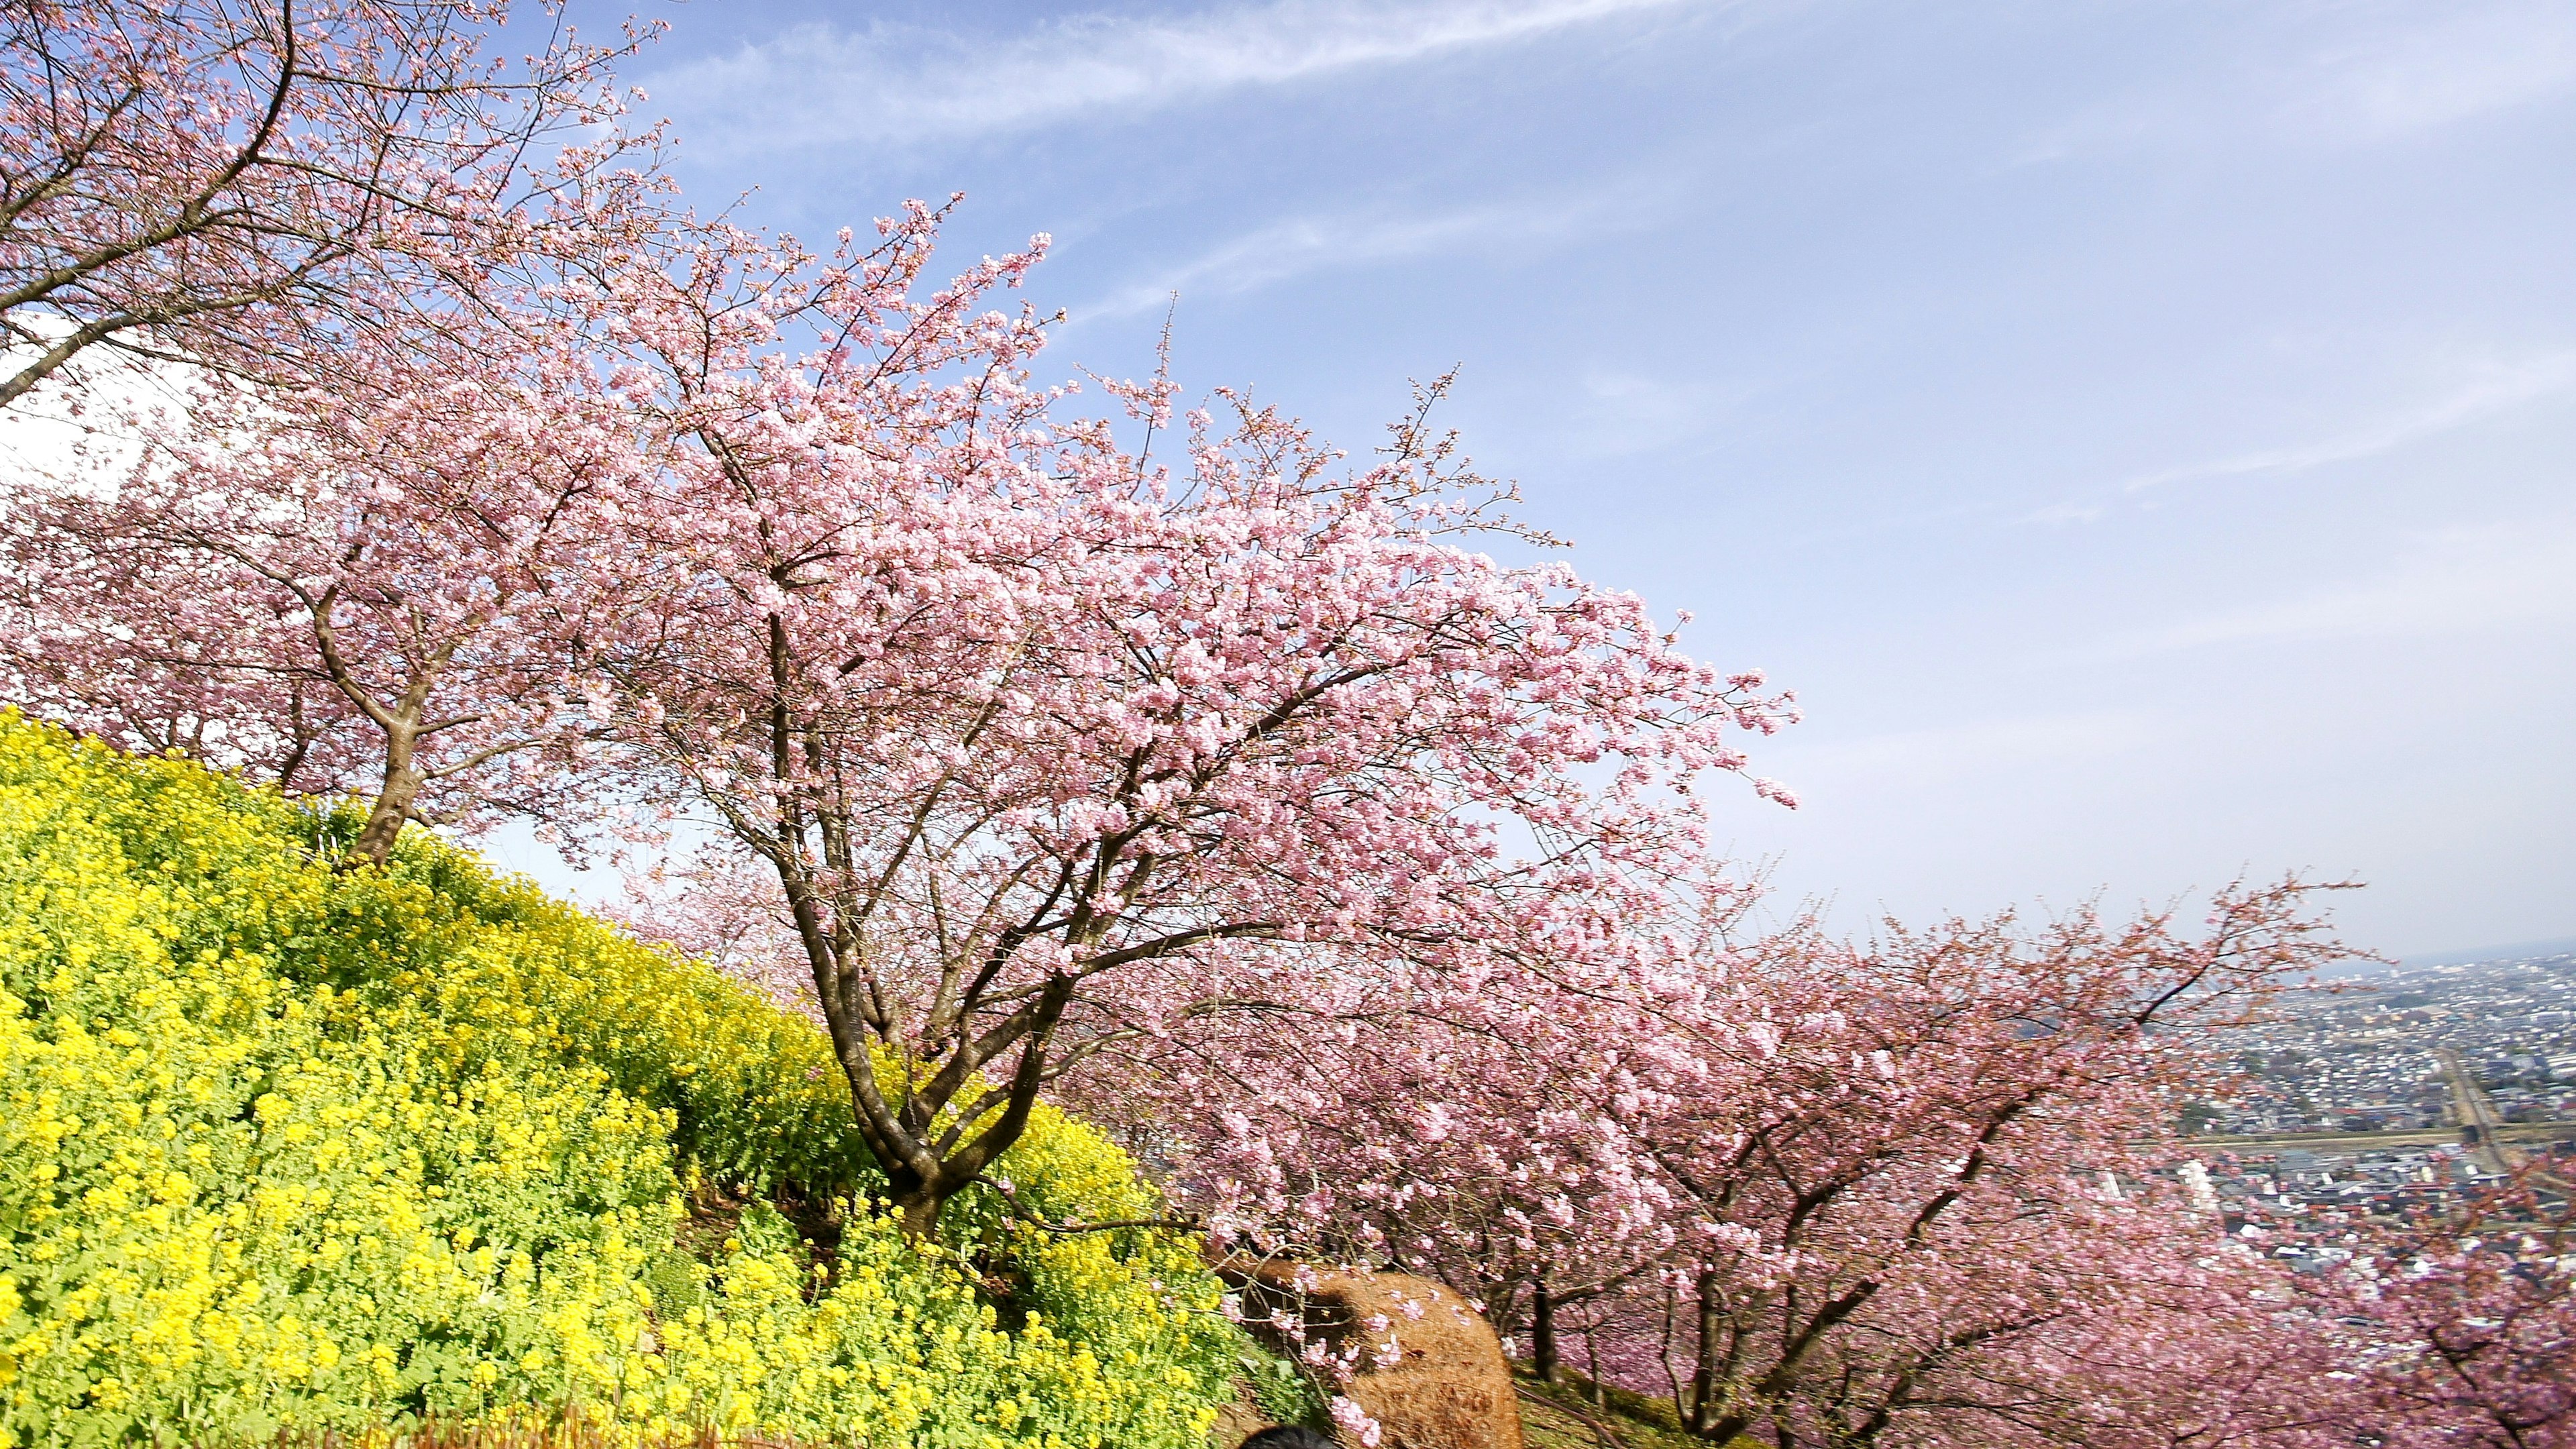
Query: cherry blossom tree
[[1045, 738], [1930, 1123], [359, 539], [242, 184], [1426, 1123], [1827, 1193], [2471, 1326], [382, 586]]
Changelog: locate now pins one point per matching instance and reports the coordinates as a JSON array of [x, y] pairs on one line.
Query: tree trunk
[[392, 807], [1704, 1376], [918, 1215], [1542, 1331], [913, 1188]]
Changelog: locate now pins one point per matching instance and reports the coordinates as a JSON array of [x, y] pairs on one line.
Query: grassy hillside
[[1575, 1413], [289, 1148]]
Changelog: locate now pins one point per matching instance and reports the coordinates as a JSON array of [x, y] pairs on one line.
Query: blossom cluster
[[1913, 1189]]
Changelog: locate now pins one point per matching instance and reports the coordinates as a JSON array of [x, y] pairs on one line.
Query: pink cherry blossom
[[246, 186], [1050, 741]]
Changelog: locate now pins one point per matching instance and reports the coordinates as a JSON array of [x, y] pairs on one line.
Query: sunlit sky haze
[[2142, 433]]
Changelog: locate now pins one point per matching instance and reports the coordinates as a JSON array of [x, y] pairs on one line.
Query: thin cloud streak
[[2354, 85], [1291, 249], [1300, 246], [2466, 62], [2499, 390], [1852, 768], [816, 85], [2464, 581]]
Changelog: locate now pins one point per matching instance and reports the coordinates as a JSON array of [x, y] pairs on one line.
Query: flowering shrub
[[283, 1147]]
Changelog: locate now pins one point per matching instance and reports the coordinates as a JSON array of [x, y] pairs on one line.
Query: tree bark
[[1542, 1331], [392, 807], [918, 1215], [1704, 1375]]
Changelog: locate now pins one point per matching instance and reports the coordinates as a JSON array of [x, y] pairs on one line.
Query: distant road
[[2476, 1115], [2372, 1141]]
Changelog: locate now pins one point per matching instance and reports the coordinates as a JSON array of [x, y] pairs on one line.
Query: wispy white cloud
[[817, 84], [2462, 581], [1303, 245], [2461, 61], [1625, 411], [2484, 389], [1300, 246], [1850, 768], [2067, 512], [2339, 77], [2491, 389]]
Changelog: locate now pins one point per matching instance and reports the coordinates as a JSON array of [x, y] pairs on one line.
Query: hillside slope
[[290, 1148]]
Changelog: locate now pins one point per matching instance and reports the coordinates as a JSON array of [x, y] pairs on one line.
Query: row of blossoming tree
[[1922, 1190], [1170, 761]]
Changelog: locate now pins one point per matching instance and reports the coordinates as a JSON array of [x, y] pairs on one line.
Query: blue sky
[[2143, 433]]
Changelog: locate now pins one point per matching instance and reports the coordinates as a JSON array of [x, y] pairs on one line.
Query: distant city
[[2364, 1058], [2393, 1099]]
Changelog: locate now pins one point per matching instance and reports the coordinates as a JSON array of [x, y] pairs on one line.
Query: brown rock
[[1431, 1372]]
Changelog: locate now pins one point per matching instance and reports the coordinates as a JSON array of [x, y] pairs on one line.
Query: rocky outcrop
[[1429, 1369]]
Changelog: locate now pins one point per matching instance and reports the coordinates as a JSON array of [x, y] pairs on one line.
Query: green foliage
[[1284, 1392], [287, 1148]]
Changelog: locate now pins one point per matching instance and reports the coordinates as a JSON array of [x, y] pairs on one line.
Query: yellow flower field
[[288, 1149]]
